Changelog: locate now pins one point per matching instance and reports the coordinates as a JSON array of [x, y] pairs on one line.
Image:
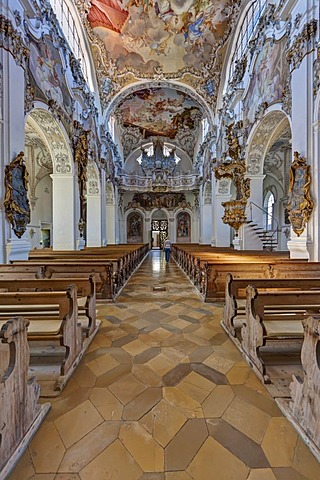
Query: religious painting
[[183, 227], [148, 201], [300, 204], [268, 80], [151, 34], [134, 228], [159, 111], [16, 201], [46, 73]]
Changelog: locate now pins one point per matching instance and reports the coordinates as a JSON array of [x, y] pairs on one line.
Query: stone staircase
[[268, 238]]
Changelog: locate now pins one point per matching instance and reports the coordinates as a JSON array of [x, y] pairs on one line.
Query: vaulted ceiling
[[181, 42]]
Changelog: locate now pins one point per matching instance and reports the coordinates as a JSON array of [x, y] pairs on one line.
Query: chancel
[[127, 126]]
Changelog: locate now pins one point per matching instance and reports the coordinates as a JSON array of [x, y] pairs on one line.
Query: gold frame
[[300, 204], [16, 203]]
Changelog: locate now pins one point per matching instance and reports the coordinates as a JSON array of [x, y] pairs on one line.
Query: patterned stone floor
[[163, 394]]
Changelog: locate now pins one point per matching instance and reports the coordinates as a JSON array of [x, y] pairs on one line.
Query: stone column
[[301, 138], [221, 231], [63, 212], [94, 220], [12, 142]]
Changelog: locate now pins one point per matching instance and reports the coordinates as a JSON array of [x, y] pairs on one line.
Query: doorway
[[159, 232]]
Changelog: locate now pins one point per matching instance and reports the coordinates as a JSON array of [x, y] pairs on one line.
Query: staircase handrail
[[275, 230]]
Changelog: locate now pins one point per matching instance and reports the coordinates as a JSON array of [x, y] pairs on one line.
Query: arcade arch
[[51, 170]]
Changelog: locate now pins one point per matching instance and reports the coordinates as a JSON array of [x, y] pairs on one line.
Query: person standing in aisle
[[167, 248]]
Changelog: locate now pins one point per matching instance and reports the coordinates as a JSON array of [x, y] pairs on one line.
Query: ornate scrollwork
[[302, 45], [16, 201], [234, 213], [234, 168], [316, 69], [11, 40], [81, 156], [300, 204]]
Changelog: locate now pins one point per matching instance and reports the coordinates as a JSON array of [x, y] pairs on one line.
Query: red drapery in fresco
[[108, 14]]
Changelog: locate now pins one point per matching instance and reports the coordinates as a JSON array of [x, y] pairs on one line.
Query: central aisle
[[163, 394]]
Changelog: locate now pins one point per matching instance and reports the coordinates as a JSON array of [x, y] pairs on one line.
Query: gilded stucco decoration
[[12, 41], [316, 69], [302, 45], [148, 201], [16, 201], [81, 157], [300, 203], [233, 167]]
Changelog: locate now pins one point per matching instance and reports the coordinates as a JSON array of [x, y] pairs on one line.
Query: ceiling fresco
[[159, 111], [167, 33], [151, 39]]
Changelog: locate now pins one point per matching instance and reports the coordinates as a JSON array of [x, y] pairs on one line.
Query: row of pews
[[47, 321], [272, 314]]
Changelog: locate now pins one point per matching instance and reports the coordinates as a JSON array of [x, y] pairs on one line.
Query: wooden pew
[[234, 307], [263, 335], [303, 409], [20, 413], [103, 273], [62, 328], [85, 291]]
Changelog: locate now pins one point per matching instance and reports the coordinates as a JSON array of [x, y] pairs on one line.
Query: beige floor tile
[[89, 447], [45, 476], [135, 347], [279, 442], [114, 463], [160, 333], [127, 388], [179, 323], [142, 404], [218, 401], [143, 448], [213, 461], [262, 474], [24, 470], [193, 389], [146, 375], [103, 364], [47, 460], [109, 407], [177, 476], [238, 375], [77, 423], [248, 419], [166, 421], [187, 405], [66, 476], [161, 364], [219, 362], [305, 463]]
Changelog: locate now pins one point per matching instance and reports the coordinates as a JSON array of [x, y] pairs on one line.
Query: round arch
[[129, 90], [56, 138], [64, 208], [262, 136]]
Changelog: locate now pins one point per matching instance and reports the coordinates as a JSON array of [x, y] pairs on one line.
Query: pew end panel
[[303, 408], [21, 414]]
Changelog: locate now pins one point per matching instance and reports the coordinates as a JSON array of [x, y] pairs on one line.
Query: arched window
[[246, 31], [70, 24], [269, 209]]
